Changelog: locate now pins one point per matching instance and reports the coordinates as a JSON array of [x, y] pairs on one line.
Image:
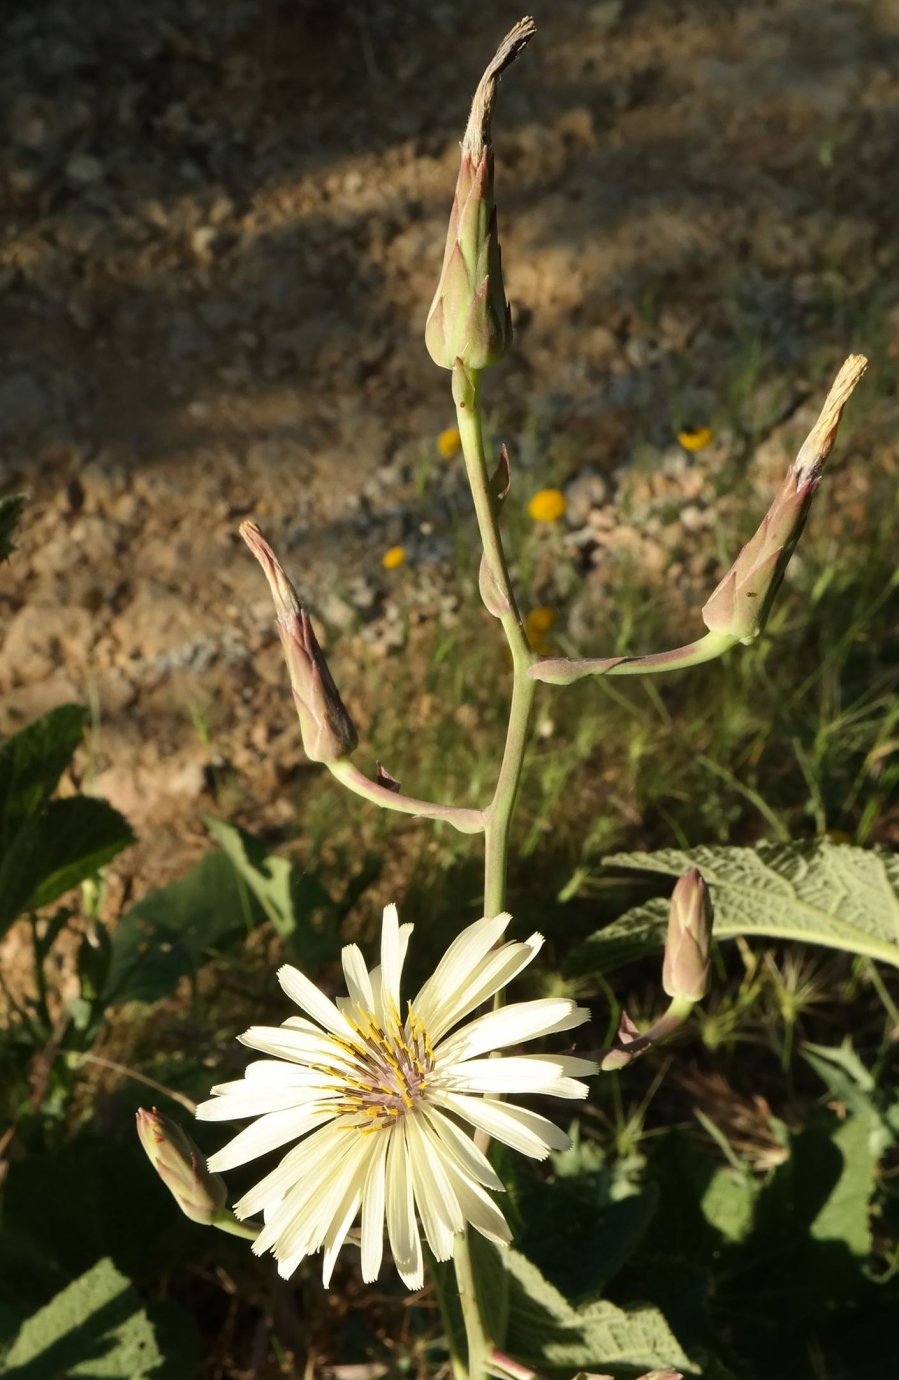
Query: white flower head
[[376, 1101]]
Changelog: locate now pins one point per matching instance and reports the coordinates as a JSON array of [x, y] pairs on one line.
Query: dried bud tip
[[501, 480], [477, 132], [384, 778], [287, 605], [816, 447]]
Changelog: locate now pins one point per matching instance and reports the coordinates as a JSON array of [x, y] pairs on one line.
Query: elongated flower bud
[[685, 971], [182, 1168], [328, 731], [740, 605], [469, 317]]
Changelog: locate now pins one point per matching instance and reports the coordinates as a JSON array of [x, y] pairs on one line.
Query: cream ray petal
[[344, 1218], [477, 1206], [511, 1025], [463, 955], [309, 999], [358, 982], [523, 1130], [257, 1102], [462, 1148], [438, 1206], [498, 969], [301, 1023], [516, 1074], [373, 1194], [324, 1216], [269, 1132], [304, 1213], [391, 965], [268, 1072], [402, 1229], [301, 1164], [296, 1046]]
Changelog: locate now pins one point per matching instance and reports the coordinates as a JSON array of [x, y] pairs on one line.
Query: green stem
[[466, 821], [479, 1344], [498, 814], [227, 1222], [564, 671]]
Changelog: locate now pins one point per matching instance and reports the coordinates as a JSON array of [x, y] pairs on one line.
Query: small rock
[[83, 169]]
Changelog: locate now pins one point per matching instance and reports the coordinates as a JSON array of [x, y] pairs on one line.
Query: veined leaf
[[96, 1327], [171, 930], [66, 843], [818, 892], [544, 1330], [31, 763]]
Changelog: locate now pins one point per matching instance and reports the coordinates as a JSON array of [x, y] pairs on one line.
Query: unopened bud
[[327, 729], [182, 1168], [685, 971], [742, 602], [469, 317]]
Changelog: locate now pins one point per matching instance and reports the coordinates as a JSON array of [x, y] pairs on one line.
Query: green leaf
[[171, 931], [31, 763], [818, 891], [94, 1328], [544, 1329], [844, 1216], [267, 876], [69, 841], [289, 897], [580, 1226], [10, 511]]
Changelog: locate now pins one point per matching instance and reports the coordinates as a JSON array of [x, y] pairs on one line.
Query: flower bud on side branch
[[327, 729], [742, 602], [738, 609], [685, 972]]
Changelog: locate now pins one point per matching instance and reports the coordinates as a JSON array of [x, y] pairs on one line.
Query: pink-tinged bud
[[685, 971], [469, 319], [740, 605], [327, 729], [182, 1168]]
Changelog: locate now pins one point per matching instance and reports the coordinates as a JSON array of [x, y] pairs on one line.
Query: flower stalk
[[361, 1064]]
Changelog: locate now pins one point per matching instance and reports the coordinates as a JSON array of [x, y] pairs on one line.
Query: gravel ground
[[223, 224]]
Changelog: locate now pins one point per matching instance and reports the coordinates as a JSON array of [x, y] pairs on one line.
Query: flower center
[[390, 1069]]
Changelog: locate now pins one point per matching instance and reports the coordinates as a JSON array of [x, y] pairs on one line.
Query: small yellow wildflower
[[537, 624], [547, 506], [449, 442], [695, 438], [394, 558]]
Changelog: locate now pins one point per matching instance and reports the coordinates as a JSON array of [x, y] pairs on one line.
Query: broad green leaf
[[728, 1203], [845, 1215], [31, 763], [67, 842], [580, 1226], [545, 1330], [171, 931], [94, 1328], [11, 506], [29, 1279], [289, 897], [818, 892], [267, 876]]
